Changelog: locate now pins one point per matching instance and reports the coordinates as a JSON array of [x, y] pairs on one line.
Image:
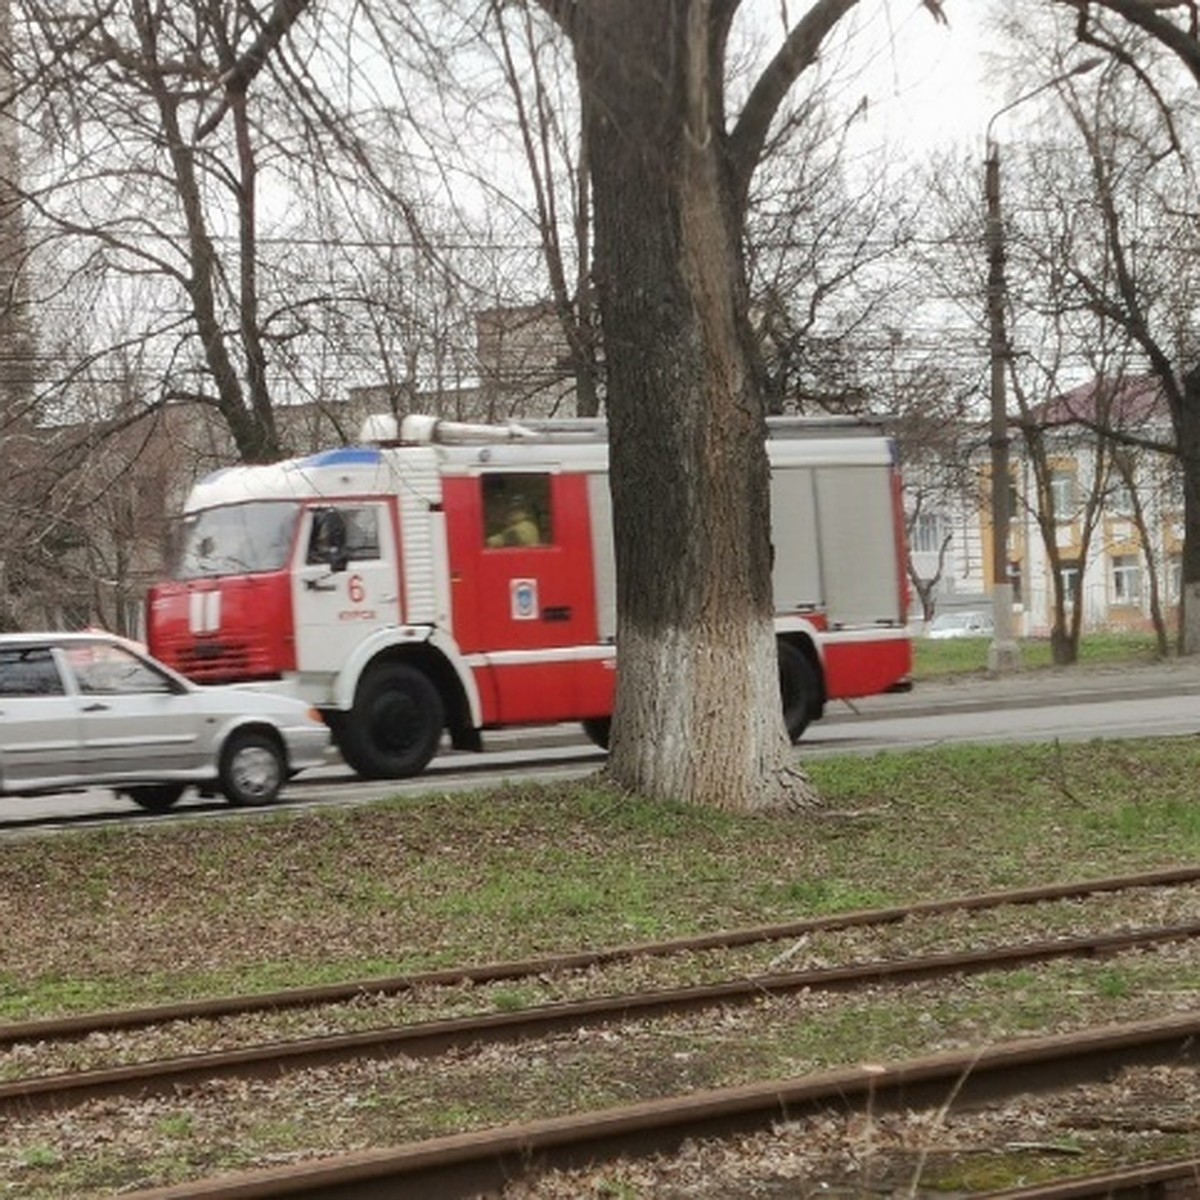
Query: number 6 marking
[[357, 589]]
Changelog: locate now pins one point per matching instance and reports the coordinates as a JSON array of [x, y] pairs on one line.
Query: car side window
[[29, 671], [102, 669]]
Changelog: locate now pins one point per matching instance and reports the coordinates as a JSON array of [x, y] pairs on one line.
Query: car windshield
[[240, 539]]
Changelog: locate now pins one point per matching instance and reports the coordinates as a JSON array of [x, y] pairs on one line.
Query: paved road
[[1029, 688], [978, 707]]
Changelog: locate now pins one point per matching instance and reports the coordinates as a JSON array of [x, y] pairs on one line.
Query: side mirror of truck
[[328, 541]]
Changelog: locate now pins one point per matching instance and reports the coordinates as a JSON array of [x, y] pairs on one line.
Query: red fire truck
[[453, 578]]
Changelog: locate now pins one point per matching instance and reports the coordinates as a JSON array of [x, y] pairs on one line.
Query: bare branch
[[1184, 43], [795, 56], [238, 78]]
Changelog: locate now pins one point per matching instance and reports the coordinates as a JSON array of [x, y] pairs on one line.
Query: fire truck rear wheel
[[396, 724], [598, 729], [797, 689]]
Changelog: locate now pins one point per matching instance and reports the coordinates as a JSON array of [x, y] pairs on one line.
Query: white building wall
[[966, 573]]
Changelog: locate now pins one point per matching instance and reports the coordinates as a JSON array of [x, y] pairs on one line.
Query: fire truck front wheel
[[396, 723]]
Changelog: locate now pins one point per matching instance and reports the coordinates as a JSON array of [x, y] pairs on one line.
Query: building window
[[1069, 574], [929, 533], [1062, 493], [1120, 499], [1127, 579]]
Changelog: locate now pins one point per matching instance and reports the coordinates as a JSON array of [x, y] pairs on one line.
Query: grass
[[154, 913], [936, 659]]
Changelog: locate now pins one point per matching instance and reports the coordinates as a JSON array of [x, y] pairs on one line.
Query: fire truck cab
[[453, 578]]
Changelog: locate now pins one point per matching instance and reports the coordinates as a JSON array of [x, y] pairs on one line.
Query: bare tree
[[534, 72], [1174, 25], [187, 147]]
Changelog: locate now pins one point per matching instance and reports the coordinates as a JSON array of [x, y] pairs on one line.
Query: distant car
[[84, 710], [960, 625]]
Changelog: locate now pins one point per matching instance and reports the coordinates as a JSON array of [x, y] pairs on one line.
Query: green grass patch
[[934, 659], [157, 913]]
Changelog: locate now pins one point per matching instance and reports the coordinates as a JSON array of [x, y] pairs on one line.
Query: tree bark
[[698, 715]]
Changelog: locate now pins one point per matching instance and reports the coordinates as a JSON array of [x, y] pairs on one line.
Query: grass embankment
[[99, 919], [157, 911]]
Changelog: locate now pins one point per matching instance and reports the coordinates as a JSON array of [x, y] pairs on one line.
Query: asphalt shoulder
[[1026, 687]]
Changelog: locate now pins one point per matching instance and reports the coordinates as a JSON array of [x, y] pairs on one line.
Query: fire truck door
[[523, 595], [346, 579]]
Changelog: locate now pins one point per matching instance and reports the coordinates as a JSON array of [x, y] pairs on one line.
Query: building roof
[[1125, 403]]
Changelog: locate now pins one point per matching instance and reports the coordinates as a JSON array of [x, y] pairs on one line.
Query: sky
[[925, 81]]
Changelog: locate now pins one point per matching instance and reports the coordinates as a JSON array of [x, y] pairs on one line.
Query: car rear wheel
[[253, 768], [396, 723], [157, 797]]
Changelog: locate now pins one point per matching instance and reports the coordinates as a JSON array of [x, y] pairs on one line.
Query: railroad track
[[434, 1166], [481, 1163], [426, 1039], [1178, 1179]]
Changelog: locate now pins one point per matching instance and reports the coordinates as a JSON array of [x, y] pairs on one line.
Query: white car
[[961, 625], [84, 710]]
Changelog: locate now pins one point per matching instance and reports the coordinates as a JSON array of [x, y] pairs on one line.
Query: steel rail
[[81, 1025], [482, 1162], [425, 1039], [1176, 1179]]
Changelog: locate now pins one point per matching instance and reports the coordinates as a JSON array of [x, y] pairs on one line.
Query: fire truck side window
[[516, 510], [359, 526], [362, 532]]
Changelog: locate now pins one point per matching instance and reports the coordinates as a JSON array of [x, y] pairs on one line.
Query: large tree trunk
[[698, 715]]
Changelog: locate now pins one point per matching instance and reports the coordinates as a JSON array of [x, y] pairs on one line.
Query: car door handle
[[320, 585], [96, 707], [561, 613]]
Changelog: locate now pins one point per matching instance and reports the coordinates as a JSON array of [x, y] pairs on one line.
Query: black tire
[[253, 768], [598, 729], [155, 797], [396, 723], [797, 690]]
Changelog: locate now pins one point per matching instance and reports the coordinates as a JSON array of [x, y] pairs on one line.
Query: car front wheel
[[253, 769]]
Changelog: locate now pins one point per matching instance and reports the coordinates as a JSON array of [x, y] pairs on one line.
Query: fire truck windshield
[[239, 539]]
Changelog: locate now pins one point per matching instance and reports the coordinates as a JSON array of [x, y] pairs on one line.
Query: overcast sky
[[925, 84]]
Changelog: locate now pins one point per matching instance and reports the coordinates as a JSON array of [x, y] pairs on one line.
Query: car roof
[[61, 638]]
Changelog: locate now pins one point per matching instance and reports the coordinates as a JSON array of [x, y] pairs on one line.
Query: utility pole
[[1004, 654]]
